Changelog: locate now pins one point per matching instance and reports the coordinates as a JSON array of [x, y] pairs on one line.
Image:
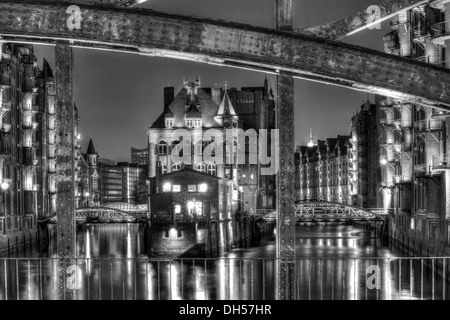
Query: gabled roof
[[193, 112], [204, 105]]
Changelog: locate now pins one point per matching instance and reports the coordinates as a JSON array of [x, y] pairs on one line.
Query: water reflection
[[332, 264]]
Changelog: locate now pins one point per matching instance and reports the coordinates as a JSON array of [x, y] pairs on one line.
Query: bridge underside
[[225, 43]]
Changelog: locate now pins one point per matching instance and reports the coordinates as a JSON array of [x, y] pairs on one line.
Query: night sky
[[120, 95]]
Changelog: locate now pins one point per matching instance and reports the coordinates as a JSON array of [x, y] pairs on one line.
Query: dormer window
[[169, 123], [190, 123], [193, 123]]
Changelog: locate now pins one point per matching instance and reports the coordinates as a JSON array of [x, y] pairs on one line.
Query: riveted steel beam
[[65, 166], [363, 20], [285, 176], [226, 43], [285, 186], [108, 3]]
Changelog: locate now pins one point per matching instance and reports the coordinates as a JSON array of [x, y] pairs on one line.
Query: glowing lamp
[[4, 185], [203, 187]]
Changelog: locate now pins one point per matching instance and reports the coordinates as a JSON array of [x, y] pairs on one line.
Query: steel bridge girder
[[225, 43]]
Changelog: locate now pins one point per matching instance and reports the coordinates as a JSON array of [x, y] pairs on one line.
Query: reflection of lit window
[[176, 188], [177, 209], [192, 188], [167, 187], [202, 187]]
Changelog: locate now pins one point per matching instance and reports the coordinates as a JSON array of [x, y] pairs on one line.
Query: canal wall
[[414, 238], [370, 225], [19, 240]]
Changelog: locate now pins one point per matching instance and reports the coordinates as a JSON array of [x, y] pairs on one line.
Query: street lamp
[[4, 186], [147, 181], [87, 198]]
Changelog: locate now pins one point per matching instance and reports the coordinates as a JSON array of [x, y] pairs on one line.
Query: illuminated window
[[202, 187], [192, 188], [162, 147], [212, 169], [94, 183], [177, 209], [197, 123], [169, 123], [167, 187], [201, 168], [189, 123], [176, 188]]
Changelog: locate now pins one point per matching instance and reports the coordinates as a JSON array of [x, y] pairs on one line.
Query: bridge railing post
[[65, 165]]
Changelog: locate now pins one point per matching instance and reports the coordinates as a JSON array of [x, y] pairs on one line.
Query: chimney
[[169, 95], [216, 95]]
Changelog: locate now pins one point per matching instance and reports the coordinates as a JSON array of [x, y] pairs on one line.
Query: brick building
[[322, 171], [197, 109]]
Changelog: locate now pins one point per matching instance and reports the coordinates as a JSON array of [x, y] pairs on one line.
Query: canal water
[[332, 262]]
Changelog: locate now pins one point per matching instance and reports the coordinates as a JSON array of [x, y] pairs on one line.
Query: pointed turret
[[91, 148], [226, 115]]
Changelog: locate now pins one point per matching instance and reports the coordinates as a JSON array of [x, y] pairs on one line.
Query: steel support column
[[285, 177], [65, 166]]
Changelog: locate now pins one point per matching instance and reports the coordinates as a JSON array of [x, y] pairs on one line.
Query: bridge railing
[[228, 278]]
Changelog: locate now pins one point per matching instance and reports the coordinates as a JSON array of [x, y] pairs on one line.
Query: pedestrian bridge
[[109, 213], [322, 211]]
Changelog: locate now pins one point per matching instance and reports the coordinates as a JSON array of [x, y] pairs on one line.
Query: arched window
[[176, 167], [212, 169], [201, 168], [162, 147]]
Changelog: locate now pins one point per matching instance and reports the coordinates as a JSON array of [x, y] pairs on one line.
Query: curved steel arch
[[82, 213], [226, 43], [331, 211]]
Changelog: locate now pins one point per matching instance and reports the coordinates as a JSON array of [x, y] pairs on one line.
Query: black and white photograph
[[225, 153]]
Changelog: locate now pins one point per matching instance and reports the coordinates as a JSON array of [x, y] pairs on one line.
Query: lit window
[[201, 168], [177, 209], [212, 169], [167, 187], [192, 188], [162, 147], [169, 123], [176, 188], [197, 123], [189, 123], [202, 187], [94, 184]]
